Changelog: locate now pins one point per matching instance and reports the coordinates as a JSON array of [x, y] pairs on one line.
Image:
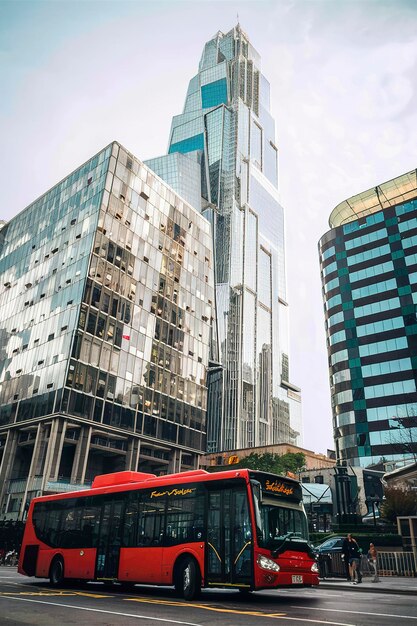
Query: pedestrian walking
[[345, 557], [373, 561], [352, 554]]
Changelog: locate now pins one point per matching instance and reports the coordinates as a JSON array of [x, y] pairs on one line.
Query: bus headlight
[[315, 568], [267, 564]]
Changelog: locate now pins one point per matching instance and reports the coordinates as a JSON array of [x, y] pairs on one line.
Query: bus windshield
[[278, 517], [279, 523]]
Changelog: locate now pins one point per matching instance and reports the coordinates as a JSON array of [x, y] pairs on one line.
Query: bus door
[[229, 553], [109, 539]]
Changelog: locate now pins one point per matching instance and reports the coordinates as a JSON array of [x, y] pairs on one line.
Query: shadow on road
[[211, 596]]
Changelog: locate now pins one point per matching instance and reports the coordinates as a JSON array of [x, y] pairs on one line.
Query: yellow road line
[[206, 607], [53, 594], [62, 593], [92, 595]]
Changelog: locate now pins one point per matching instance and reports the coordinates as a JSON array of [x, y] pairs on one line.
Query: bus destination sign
[[279, 486]]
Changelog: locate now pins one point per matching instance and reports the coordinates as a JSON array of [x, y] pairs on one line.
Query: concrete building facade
[[313, 460]]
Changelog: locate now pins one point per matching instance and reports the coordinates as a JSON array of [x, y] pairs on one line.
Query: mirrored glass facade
[[369, 276], [227, 127], [106, 302], [182, 174]]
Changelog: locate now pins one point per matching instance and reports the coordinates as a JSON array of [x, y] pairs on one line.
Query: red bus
[[239, 529]]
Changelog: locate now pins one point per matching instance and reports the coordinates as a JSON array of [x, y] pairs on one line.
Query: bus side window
[[185, 516], [151, 520], [47, 522], [40, 520], [87, 531], [72, 533], [90, 522], [130, 527], [242, 518]]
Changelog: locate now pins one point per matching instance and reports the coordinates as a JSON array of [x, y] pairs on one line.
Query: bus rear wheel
[[187, 579], [56, 572]]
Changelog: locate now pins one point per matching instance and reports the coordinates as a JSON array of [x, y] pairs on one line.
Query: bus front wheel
[[187, 579], [56, 572]]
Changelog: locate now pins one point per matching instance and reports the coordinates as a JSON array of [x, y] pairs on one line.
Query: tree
[[398, 502], [274, 463], [404, 426], [293, 462]]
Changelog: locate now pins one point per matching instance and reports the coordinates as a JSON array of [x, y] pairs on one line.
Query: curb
[[374, 589]]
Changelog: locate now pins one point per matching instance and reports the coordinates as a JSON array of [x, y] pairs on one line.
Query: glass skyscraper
[[227, 129], [106, 301], [369, 275]]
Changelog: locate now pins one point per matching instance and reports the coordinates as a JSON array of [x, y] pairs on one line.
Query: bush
[[290, 463], [317, 538], [273, 463], [387, 540], [398, 502]]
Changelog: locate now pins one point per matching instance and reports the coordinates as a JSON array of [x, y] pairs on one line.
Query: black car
[[329, 563], [330, 546]]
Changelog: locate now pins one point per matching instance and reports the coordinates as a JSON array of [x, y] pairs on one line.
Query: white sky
[[76, 75]]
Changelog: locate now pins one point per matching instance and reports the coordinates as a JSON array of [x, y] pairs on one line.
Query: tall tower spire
[[226, 127]]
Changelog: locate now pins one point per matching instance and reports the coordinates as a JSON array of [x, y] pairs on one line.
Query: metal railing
[[109, 443], [389, 564], [396, 564], [18, 485], [63, 486]]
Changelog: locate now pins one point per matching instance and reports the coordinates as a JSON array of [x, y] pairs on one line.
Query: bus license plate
[[296, 580]]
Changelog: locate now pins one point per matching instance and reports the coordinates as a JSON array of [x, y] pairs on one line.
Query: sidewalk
[[388, 584]]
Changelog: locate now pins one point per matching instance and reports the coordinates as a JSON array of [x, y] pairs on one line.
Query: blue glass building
[[106, 292], [369, 274], [227, 128]]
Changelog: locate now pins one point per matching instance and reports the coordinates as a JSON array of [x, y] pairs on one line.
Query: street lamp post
[[373, 513], [374, 502]]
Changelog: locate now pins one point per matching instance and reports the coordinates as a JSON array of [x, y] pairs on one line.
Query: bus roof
[[123, 478], [129, 480]]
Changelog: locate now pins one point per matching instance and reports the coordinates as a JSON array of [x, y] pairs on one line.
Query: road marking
[[171, 621], [314, 594], [206, 607], [235, 611], [54, 593], [82, 608], [313, 608]]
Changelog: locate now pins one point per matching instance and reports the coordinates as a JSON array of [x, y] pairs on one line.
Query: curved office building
[[369, 275]]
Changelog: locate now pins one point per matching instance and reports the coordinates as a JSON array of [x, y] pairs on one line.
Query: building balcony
[[18, 485], [64, 486]]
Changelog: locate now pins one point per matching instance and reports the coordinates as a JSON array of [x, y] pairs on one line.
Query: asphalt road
[[28, 601]]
